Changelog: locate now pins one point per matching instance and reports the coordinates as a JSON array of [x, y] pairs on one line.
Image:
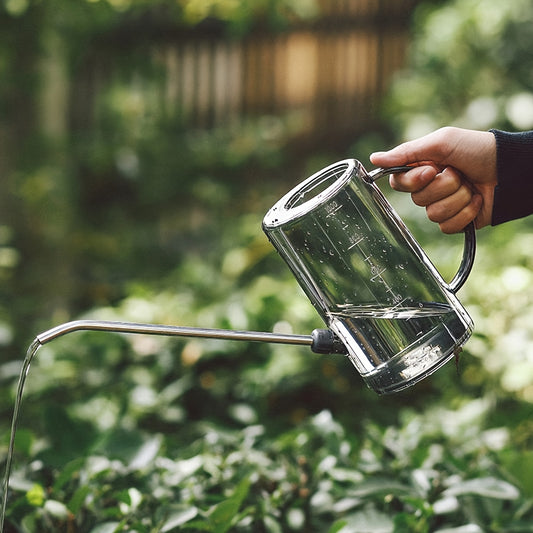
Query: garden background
[[141, 142]]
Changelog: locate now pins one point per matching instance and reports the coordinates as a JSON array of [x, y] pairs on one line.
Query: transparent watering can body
[[368, 278]]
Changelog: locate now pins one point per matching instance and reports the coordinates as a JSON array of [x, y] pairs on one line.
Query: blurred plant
[[470, 66], [421, 475], [243, 14], [138, 433]]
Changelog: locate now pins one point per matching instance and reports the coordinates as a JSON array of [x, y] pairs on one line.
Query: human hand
[[453, 176]]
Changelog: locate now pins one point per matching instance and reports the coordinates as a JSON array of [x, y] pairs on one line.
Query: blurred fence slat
[[331, 71]]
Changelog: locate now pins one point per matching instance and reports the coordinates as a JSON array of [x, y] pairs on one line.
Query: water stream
[[32, 351]]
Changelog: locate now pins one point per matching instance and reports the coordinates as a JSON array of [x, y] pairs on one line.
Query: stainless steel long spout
[[320, 341]]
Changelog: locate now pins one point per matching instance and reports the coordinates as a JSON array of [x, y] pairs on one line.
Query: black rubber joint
[[325, 342]]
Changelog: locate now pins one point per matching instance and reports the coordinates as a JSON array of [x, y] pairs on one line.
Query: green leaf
[[197, 525], [520, 465], [106, 527], [337, 526], [369, 521], [75, 503], [178, 518], [488, 487], [56, 509], [68, 472], [146, 453], [24, 440], [272, 525], [124, 444], [222, 515], [36, 496], [410, 523], [379, 486]]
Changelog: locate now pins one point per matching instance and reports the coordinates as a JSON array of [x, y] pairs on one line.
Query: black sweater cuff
[[513, 196]]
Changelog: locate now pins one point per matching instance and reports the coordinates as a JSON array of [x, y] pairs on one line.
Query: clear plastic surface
[[367, 277]]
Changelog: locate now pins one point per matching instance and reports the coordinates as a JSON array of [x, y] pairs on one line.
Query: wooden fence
[[330, 73]]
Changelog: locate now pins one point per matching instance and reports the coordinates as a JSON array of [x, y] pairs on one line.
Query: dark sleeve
[[513, 196]]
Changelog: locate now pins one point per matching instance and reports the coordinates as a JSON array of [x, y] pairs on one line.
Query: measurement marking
[[355, 243], [396, 298], [333, 211], [378, 275]]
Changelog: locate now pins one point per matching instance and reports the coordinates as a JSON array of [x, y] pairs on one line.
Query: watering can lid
[[294, 204]]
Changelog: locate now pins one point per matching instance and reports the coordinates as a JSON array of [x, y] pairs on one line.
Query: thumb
[[396, 157], [377, 157], [409, 153], [432, 148]]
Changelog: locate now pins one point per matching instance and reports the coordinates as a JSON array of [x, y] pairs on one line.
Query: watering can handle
[[469, 250]]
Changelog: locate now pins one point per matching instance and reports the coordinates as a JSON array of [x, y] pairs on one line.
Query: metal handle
[[377, 173], [467, 262], [469, 250]]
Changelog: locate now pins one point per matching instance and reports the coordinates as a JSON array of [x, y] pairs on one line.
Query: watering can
[[384, 304], [368, 278]]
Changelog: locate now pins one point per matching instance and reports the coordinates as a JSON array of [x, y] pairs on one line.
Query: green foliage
[[318, 476], [242, 13], [470, 66], [149, 433], [240, 16]]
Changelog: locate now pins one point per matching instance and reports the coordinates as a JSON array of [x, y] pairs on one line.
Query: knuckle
[[470, 212], [395, 182], [451, 179], [433, 213], [448, 129], [448, 228], [448, 132], [417, 200]]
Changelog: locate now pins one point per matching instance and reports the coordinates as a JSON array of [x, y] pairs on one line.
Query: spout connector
[[326, 342]]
